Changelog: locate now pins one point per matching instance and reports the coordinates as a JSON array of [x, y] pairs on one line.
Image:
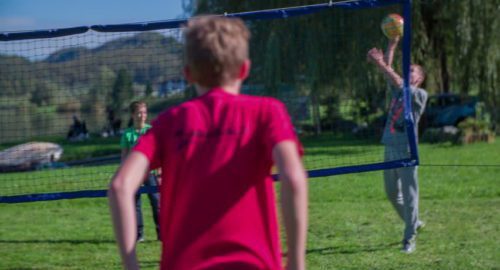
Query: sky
[[23, 15], [26, 15]]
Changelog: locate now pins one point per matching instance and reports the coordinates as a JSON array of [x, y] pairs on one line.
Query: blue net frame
[[281, 13]]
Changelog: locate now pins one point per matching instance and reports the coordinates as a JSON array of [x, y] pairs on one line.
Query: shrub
[[474, 130]]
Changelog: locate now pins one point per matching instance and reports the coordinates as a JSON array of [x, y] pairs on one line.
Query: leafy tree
[[122, 90], [44, 94], [459, 45], [457, 42], [101, 88], [16, 76], [322, 55], [149, 89]]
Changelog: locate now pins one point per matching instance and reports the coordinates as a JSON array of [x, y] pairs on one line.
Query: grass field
[[352, 225], [326, 151]]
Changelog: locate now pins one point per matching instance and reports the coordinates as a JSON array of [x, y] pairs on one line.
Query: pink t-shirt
[[217, 206]]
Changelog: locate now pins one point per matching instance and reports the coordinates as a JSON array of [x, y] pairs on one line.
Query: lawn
[[352, 225], [322, 152]]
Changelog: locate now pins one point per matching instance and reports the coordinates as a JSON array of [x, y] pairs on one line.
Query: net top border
[[280, 13]]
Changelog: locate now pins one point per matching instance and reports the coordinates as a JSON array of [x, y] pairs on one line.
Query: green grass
[[46, 109], [94, 147], [321, 152], [352, 225], [61, 180]]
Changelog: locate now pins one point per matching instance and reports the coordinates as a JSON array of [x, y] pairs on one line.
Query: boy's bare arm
[[121, 193], [377, 57], [389, 53], [293, 201]]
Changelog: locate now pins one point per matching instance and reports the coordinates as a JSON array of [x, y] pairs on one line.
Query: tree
[[149, 89], [101, 89], [457, 42], [45, 93], [122, 90]]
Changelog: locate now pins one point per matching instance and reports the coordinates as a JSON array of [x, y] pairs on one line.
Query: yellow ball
[[392, 26]]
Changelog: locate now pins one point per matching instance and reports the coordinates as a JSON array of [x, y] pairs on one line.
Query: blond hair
[[216, 47]]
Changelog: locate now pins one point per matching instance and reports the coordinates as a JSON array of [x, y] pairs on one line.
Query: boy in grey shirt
[[401, 184]]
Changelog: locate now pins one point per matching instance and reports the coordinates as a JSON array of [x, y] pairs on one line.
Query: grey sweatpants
[[401, 187]]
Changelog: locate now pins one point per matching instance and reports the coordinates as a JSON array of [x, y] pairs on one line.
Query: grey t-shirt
[[395, 127]]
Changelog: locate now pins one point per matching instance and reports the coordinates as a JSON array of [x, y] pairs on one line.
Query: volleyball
[[392, 26]]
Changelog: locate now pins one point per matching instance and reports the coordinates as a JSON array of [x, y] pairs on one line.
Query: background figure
[[401, 185], [114, 124], [78, 130], [139, 114]]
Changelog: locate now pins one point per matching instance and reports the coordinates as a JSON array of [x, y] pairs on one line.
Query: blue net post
[[410, 122]]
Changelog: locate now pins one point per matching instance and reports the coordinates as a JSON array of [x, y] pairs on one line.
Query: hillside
[[147, 57]]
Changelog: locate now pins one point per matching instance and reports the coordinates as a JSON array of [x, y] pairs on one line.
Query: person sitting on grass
[[216, 152], [77, 131]]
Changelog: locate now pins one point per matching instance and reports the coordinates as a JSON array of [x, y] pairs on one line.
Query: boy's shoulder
[[419, 91], [262, 105], [174, 111], [240, 99]]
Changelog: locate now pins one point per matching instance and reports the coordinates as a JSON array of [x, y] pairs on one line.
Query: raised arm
[[389, 53], [123, 187], [293, 201], [377, 57]]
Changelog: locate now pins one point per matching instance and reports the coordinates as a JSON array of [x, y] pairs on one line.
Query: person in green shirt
[[139, 115]]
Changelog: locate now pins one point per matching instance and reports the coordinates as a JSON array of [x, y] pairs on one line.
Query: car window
[[445, 101], [433, 102]]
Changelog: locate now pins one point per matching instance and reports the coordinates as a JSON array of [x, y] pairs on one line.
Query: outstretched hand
[[394, 42], [375, 55]]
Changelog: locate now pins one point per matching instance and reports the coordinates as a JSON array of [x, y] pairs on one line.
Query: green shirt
[[130, 136]]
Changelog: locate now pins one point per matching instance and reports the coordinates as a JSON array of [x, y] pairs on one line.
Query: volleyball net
[[64, 93]]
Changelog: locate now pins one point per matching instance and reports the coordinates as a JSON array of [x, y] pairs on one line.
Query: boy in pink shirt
[[216, 152]]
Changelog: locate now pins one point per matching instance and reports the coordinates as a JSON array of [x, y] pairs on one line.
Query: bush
[[473, 130], [69, 106], [469, 131]]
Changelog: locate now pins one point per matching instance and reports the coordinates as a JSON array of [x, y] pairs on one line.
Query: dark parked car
[[448, 110]]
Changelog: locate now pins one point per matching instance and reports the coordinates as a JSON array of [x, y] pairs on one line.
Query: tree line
[[77, 77], [457, 42]]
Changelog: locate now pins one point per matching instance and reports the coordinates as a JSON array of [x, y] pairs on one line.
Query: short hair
[[136, 105], [421, 69], [216, 47]]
